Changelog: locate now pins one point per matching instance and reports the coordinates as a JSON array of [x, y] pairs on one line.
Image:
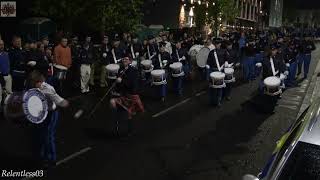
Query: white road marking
[[200, 93], [171, 108], [72, 156], [288, 106]]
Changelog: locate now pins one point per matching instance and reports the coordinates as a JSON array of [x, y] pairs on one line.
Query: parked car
[[297, 153]]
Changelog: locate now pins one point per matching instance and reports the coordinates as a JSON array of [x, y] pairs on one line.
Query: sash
[[274, 72], [217, 60]]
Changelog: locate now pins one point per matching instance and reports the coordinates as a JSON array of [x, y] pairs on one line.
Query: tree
[[214, 12], [100, 15]]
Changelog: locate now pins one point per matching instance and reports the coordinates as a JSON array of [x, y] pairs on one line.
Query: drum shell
[[60, 74]]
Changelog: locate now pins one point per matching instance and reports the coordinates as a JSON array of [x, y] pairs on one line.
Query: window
[[304, 163]]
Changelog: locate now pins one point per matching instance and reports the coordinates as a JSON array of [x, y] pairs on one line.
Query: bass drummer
[[44, 133], [215, 63]]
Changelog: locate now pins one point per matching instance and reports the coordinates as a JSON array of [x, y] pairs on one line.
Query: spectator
[[5, 70], [17, 58]]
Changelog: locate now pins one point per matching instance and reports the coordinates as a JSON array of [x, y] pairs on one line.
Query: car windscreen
[[303, 163]]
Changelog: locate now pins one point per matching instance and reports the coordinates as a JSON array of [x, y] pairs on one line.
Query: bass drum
[[194, 50], [202, 57], [29, 105]]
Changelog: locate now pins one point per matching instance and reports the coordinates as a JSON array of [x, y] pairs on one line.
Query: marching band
[[127, 65]]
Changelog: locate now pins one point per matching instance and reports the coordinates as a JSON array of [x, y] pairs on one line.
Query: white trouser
[[103, 77], [85, 77], [7, 87]]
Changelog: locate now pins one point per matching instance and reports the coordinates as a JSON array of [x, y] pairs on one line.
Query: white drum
[[218, 79], [158, 77], [112, 71], [229, 75], [272, 86], [146, 65], [176, 69]]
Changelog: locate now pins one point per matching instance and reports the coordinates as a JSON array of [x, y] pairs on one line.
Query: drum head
[[272, 81], [194, 50], [228, 70], [35, 106], [158, 72], [217, 75], [146, 62], [202, 57], [113, 67], [60, 67], [176, 65]]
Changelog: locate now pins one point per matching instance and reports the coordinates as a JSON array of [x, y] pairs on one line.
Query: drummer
[[215, 63], [116, 52], [151, 48], [62, 57], [44, 133], [290, 57], [271, 65], [180, 54], [129, 99], [163, 57], [232, 57]]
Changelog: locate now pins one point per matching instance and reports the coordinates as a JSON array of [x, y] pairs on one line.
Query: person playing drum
[[163, 57], [215, 63], [62, 60], [232, 57], [44, 133], [129, 99]]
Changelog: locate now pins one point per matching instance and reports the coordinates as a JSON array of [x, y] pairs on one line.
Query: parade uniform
[[86, 60], [307, 47], [249, 62], [181, 55], [215, 94], [290, 55], [232, 57], [18, 65]]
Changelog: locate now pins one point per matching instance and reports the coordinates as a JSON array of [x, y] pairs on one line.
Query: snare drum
[[146, 65], [229, 75], [60, 72], [218, 79], [158, 77], [272, 86], [112, 71], [176, 69], [31, 105]]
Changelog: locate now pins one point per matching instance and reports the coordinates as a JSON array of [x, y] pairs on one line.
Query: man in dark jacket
[[18, 64]]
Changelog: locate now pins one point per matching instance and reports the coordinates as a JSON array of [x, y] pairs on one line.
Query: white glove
[[104, 55], [238, 65], [32, 63], [226, 64], [259, 65], [287, 64], [183, 58], [207, 66], [286, 73], [137, 54], [119, 80]]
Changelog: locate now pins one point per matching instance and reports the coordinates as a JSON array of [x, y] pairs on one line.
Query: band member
[[151, 49], [128, 87], [18, 64], [290, 56], [44, 133], [62, 57], [272, 65], [86, 60], [75, 67], [232, 57], [249, 60], [104, 52], [168, 45], [116, 52], [216, 60], [136, 50], [4, 71], [307, 47], [163, 57]]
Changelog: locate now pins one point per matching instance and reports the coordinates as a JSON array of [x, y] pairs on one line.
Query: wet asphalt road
[[182, 138]]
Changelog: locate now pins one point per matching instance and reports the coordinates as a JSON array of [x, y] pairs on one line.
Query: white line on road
[[72, 156], [66, 159], [200, 93], [170, 108]]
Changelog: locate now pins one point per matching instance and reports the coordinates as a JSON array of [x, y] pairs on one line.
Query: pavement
[[182, 138]]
